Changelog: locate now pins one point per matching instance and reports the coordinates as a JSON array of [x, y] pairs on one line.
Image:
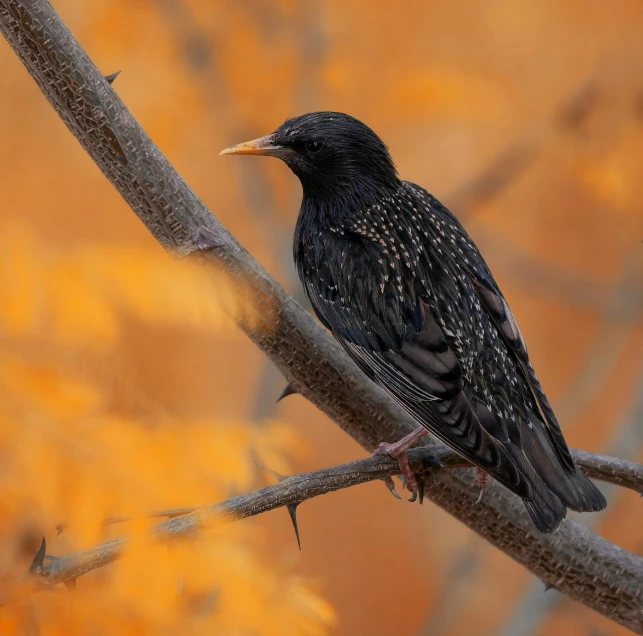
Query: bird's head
[[334, 155]]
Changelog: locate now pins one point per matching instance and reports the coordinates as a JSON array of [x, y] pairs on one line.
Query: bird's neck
[[329, 203], [322, 217]]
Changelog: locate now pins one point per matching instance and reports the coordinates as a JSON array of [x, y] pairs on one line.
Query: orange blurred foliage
[[69, 458]]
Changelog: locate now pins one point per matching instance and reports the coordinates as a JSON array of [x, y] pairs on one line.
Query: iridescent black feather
[[392, 273]]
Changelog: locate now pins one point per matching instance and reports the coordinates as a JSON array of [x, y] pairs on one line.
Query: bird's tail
[[571, 486], [547, 508], [543, 504], [546, 515], [588, 496]]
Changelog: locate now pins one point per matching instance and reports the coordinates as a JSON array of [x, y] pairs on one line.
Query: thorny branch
[[608, 469], [291, 491], [578, 563]]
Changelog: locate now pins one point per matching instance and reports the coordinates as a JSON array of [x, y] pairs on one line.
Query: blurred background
[[526, 119]]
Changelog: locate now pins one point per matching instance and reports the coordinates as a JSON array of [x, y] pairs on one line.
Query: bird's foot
[[481, 479], [397, 450]]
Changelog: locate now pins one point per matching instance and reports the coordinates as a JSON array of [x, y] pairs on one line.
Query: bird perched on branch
[[401, 285]]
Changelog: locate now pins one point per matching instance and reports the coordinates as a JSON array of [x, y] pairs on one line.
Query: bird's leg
[[481, 480], [397, 451]]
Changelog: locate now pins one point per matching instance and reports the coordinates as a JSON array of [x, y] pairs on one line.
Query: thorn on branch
[[38, 560], [420, 490], [110, 78], [278, 476], [292, 508], [292, 511], [288, 390], [204, 240]]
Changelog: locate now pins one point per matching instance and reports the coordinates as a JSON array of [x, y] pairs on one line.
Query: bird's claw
[[414, 491], [390, 484], [398, 451]]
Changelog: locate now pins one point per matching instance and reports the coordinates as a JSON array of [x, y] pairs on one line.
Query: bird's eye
[[313, 146]]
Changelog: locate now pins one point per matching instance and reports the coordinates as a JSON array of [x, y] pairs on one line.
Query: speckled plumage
[[397, 280]]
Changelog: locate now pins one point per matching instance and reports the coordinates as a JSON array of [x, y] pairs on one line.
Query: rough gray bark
[[611, 469], [574, 560]]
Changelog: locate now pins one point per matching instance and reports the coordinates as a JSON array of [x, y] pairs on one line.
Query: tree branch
[[603, 467], [574, 560], [613, 470], [291, 491]]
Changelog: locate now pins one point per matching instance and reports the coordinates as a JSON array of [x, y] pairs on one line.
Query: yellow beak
[[261, 146]]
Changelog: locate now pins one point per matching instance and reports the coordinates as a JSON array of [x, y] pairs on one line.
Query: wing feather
[[425, 377], [501, 315]]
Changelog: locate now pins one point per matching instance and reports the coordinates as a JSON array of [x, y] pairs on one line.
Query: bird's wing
[[537, 444], [499, 312], [423, 374], [402, 347]]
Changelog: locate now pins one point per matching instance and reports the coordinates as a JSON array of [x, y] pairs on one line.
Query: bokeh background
[[525, 118]]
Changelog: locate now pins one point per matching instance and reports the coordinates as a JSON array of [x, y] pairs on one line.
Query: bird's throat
[[335, 200]]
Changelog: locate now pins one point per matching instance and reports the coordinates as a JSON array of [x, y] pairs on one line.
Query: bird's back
[[406, 292]]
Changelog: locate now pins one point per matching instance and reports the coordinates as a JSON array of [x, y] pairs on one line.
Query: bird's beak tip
[[261, 146]]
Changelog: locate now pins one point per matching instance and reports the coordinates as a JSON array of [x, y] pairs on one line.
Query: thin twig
[[602, 467], [298, 488], [288, 491], [611, 469]]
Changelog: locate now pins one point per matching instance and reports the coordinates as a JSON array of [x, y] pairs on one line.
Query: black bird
[[401, 285]]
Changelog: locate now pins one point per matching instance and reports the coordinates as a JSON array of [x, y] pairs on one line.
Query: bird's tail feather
[[543, 504], [590, 497], [545, 515], [573, 488]]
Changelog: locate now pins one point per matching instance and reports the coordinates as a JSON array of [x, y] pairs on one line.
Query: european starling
[[401, 285]]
